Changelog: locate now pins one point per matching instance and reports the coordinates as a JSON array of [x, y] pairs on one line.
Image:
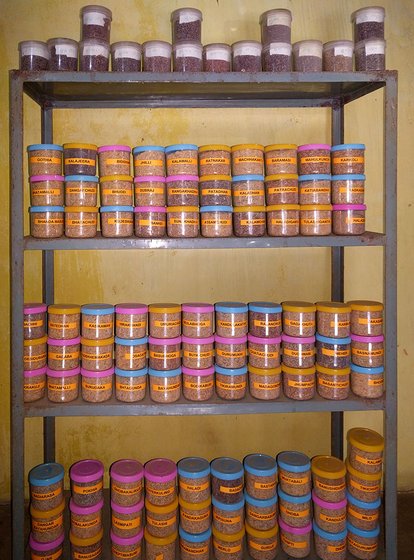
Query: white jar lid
[[217, 51], [279, 16], [186, 15], [309, 47], [370, 13], [34, 48], [157, 48], [247, 48]]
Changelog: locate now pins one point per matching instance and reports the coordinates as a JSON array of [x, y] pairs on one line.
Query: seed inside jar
[[231, 384], [165, 386], [228, 518], [85, 522], [282, 189], [295, 541], [117, 221], [94, 56], [370, 55], [265, 384], [314, 189], [97, 355], [294, 473], [249, 221], [368, 23], [333, 352], [45, 159], [182, 221], [89, 547], [223, 543], [63, 386], [348, 189], [116, 190], [186, 24], [247, 159], [97, 321], [46, 486], [182, 159], [34, 321], [130, 386], [156, 56], [47, 526], [34, 354], [131, 547], [127, 482], [33, 55], [87, 482], [198, 353], [247, 57], [80, 221], [34, 384], [97, 385], [215, 190], [329, 516], [150, 191], [363, 544], [195, 544], [227, 479], [338, 56], [63, 354], [197, 320], [277, 57], [214, 159], [131, 354], [316, 219], [296, 511], [265, 319], [156, 548], [330, 546], [160, 481], [307, 57], [333, 384], [46, 222], [187, 56], [262, 545], [231, 319], [150, 221], [248, 190], [367, 382], [260, 476], [182, 190], [363, 486], [363, 515], [194, 479], [275, 26], [79, 159], [261, 514], [127, 521], [216, 221], [195, 518], [131, 320], [217, 57], [283, 220], [63, 321], [333, 319], [164, 353], [126, 56], [149, 161], [264, 353], [299, 318], [46, 190], [366, 317], [164, 320], [114, 160], [348, 219], [365, 450], [231, 352], [81, 190]]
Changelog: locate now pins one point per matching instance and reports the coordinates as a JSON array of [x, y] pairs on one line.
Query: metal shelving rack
[[78, 90]]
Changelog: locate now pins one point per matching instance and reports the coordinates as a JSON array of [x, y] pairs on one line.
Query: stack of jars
[[348, 180], [127, 508], [34, 351], [86, 505], [276, 40], [260, 472], [367, 348], [195, 508], [282, 195], [369, 38], [187, 49], [329, 504], [295, 505], [47, 503], [94, 46], [364, 473]]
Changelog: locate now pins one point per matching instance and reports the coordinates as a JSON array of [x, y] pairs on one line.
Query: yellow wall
[[212, 275]]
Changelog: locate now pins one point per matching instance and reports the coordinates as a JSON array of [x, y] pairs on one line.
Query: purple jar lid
[[64, 342], [149, 179], [295, 339], [349, 207], [119, 147], [85, 510], [34, 372], [239, 340], [129, 541], [89, 373], [34, 308], [126, 470], [328, 505], [160, 470], [164, 341], [63, 373], [131, 308], [39, 178], [45, 546], [260, 340], [198, 307], [128, 509], [295, 530], [198, 372], [371, 339], [172, 178], [87, 470], [306, 147], [150, 209], [190, 340]]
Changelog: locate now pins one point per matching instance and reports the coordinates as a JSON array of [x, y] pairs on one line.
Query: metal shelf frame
[[76, 90]]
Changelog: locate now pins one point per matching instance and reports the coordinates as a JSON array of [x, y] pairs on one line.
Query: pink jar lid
[[149, 179], [87, 470], [197, 307], [150, 209], [198, 372], [39, 178], [372, 339], [130, 541], [88, 373], [64, 342], [189, 340], [126, 470], [222, 340], [131, 308], [128, 509], [45, 546], [295, 530], [306, 147], [160, 470], [298, 340], [164, 341], [85, 510], [118, 147], [34, 308], [349, 207], [34, 372], [63, 373], [172, 178], [328, 505], [260, 340]]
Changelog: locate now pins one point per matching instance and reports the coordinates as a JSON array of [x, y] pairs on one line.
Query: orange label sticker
[[372, 462], [315, 159], [231, 489], [219, 192], [149, 163], [232, 324], [293, 513], [183, 161], [372, 321], [253, 222], [338, 548], [253, 192], [199, 355], [293, 480], [46, 525], [135, 489], [333, 384], [166, 388], [226, 520], [364, 488], [85, 524], [263, 547], [63, 355], [337, 353], [297, 353], [333, 519], [266, 386], [66, 387], [50, 221], [95, 325], [167, 324], [99, 357], [79, 161], [317, 221], [348, 159], [340, 324], [82, 222], [35, 359], [231, 386], [248, 159], [164, 355], [265, 485], [161, 522], [153, 223], [330, 487], [44, 159], [293, 544], [62, 326], [375, 382], [315, 190], [262, 516], [190, 323], [227, 549], [301, 384], [215, 160], [194, 487], [46, 495], [78, 190], [117, 191], [117, 161], [230, 354], [263, 354], [96, 386], [267, 324], [215, 222], [46, 192], [126, 524], [87, 555], [195, 517], [272, 160], [29, 324], [182, 191], [193, 551], [355, 220], [279, 190], [286, 221], [362, 547], [351, 189], [130, 324], [163, 492], [202, 386], [54, 556], [303, 324], [34, 386], [360, 352], [363, 516], [130, 388], [135, 354], [149, 190], [133, 553], [87, 490], [120, 221], [182, 221]]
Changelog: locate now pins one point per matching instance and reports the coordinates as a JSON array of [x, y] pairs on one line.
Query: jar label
[[265, 485], [253, 192], [231, 489], [190, 323], [296, 323], [279, 159], [333, 519], [333, 384], [166, 388], [368, 353], [194, 551], [267, 324], [315, 221], [199, 355], [351, 189], [284, 221], [253, 222], [99, 357], [337, 353], [120, 221], [337, 548], [40, 358], [299, 353], [215, 222], [219, 192], [46, 192], [315, 159], [79, 190], [262, 353], [363, 516], [168, 323], [135, 354], [55, 556], [215, 160], [130, 388], [263, 547], [375, 382], [95, 325], [135, 489], [232, 324], [126, 524], [47, 525], [266, 386], [293, 480], [65, 387], [149, 163], [230, 353], [85, 524], [372, 462], [96, 386], [44, 159], [278, 190], [372, 321], [340, 324], [63, 356], [330, 487], [48, 221], [31, 324], [46, 495], [230, 386], [82, 221], [117, 191], [227, 549], [117, 161], [34, 386], [248, 159], [364, 488], [130, 324], [159, 556], [226, 520], [293, 513], [160, 492], [348, 159], [362, 547], [301, 384], [62, 326], [182, 191], [153, 223], [182, 221], [183, 161], [355, 220], [149, 190], [194, 488], [315, 190], [262, 516], [293, 544], [79, 161], [134, 553], [164, 355], [199, 386], [161, 522], [87, 555]]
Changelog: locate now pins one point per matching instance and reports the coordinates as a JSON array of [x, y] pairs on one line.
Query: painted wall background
[[212, 275]]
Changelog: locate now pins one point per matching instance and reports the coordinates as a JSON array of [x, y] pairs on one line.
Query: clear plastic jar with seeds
[[328, 475], [182, 221], [46, 190], [338, 56], [370, 55], [45, 159], [63, 320], [127, 521], [47, 550], [156, 56], [149, 161], [281, 159], [314, 159], [194, 479], [298, 384], [182, 190], [164, 320], [94, 55], [231, 352], [215, 190], [367, 382], [348, 219], [249, 221], [333, 319], [87, 482], [127, 482], [260, 476], [150, 221], [367, 351], [63, 386], [277, 57], [150, 191], [198, 353], [265, 319], [214, 159], [198, 544], [265, 384], [248, 190], [368, 23], [96, 22], [80, 159], [46, 486], [366, 317], [299, 318], [295, 541], [130, 386], [307, 57], [97, 355], [164, 353], [126, 56], [333, 384], [348, 189], [363, 486], [97, 385], [131, 354], [195, 517], [91, 547], [247, 57], [294, 473], [198, 384], [261, 514], [365, 450], [46, 222], [81, 221], [247, 159], [282, 189], [33, 55], [228, 518], [156, 547], [216, 221], [187, 56], [85, 522], [316, 219], [34, 320], [228, 546], [34, 384], [34, 353], [124, 547], [186, 24], [262, 545], [116, 190], [283, 220], [363, 515], [295, 511], [197, 320], [227, 479], [63, 354], [264, 353], [276, 25], [330, 545], [97, 321], [165, 386], [348, 159], [231, 318], [363, 544], [160, 481], [314, 189], [182, 159], [81, 190], [131, 320], [47, 525], [217, 57], [329, 516], [298, 352], [117, 221], [114, 160], [231, 384]]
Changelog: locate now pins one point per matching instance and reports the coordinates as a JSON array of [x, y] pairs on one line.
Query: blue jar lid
[[260, 464], [265, 307], [35, 147], [260, 503], [193, 467], [347, 147], [350, 177], [84, 178], [238, 178], [335, 341], [131, 341], [231, 307], [177, 147], [316, 177], [132, 372], [139, 149], [329, 536], [167, 373], [46, 474], [231, 371], [293, 461], [365, 534], [97, 309], [216, 209], [227, 507], [226, 468], [35, 209], [293, 499], [116, 209], [196, 538], [367, 370], [363, 505]]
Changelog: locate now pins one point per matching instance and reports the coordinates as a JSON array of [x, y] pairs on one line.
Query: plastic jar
[[97, 321], [264, 353], [328, 475], [338, 56], [249, 221], [370, 55], [282, 189], [228, 547], [330, 546], [149, 161], [182, 221], [247, 159], [262, 545], [248, 190], [127, 548], [316, 219], [81, 190], [247, 57], [197, 320], [165, 386], [281, 165], [307, 56], [315, 189], [63, 320], [46, 222], [116, 190], [164, 353], [333, 319], [131, 354], [348, 159], [368, 23], [227, 478], [194, 480], [214, 159], [187, 56], [367, 351], [130, 386], [333, 384], [131, 320], [127, 521], [81, 221], [298, 352], [43, 551], [126, 56], [86, 547], [96, 22], [367, 382], [314, 159], [216, 221], [182, 190], [365, 450], [160, 482], [217, 57], [87, 482], [117, 221], [79, 159], [265, 319], [127, 482], [231, 319], [33, 55], [182, 159], [231, 352], [363, 544], [63, 54], [156, 56], [94, 56], [260, 476], [46, 486], [150, 221], [46, 190], [277, 57], [156, 548], [97, 355], [348, 189], [295, 511], [97, 385], [45, 159], [333, 353], [34, 353], [150, 191], [329, 516], [366, 317], [363, 515], [47, 526], [198, 353], [348, 219], [63, 386], [34, 320], [215, 190], [228, 518], [275, 26], [295, 541], [186, 25], [114, 160], [264, 384], [231, 384], [363, 486], [261, 514], [85, 522], [34, 384], [195, 544], [294, 473], [164, 320], [299, 318], [195, 518]]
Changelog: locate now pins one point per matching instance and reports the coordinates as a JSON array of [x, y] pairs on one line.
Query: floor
[[405, 528]]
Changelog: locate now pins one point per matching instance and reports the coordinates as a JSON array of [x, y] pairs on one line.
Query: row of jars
[[191, 160]]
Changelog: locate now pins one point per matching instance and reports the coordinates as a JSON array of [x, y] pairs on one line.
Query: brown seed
[[198, 353], [328, 519], [161, 524], [315, 190], [164, 389], [149, 161], [63, 321], [182, 190], [45, 498], [216, 221], [164, 320], [366, 317], [126, 525], [370, 55], [260, 487], [333, 319], [361, 488], [195, 521], [265, 319], [338, 56], [298, 352], [188, 549], [295, 514], [263, 386], [194, 490], [283, 220], [182, 161], [81, 191], [348, 191], [227, 491], [231, 320], [295, 483], [365, 461], [47, 529], [80, 159], [231, 352], [247, 159], [150, 221], [44, 160], [164, 354], [223, 550], [130, 389], [348, 220], [182, 221], [348, 159], [298, 384], [248, 192], [314, 159], [329, 489], [298, 318], [362, 518], [331, 385], [264, 353], [316, 220], [34, 320], [362, 547], [215, 190], [217, 57], [197, 320], [370, 386], [150, 191], [262, 548], [85, 525], [80, 222], [63, 357], [131, 320], [249, 221], [289, 542], [230, 387], [87, 493], [155, 551], [333, 355], [214, 160], [281, 189]]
